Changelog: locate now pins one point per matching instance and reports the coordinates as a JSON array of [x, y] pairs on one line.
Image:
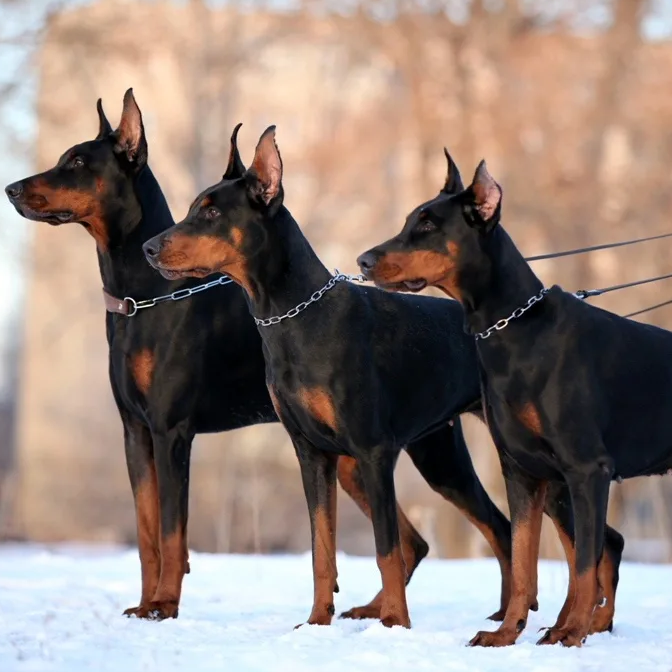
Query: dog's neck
[[492, 291], [143, 214], [286, 272]]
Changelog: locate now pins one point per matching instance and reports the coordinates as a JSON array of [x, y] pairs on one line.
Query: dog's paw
[[366, 611]]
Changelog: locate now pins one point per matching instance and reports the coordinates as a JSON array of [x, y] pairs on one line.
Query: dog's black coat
[[360, 373], [186, 367], [574, 395]]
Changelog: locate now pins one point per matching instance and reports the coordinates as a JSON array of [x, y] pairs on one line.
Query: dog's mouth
[[64, 216], [54, 218], [179, 273], [387, 277], [412, 286], [415, 285]]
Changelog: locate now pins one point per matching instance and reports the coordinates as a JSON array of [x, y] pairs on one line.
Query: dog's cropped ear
[[104, 127], [453, 183], [486, 198], [264, 177], [130, 135], [235, 168]]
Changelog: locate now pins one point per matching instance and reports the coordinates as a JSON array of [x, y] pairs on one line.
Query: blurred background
[[570, 101]]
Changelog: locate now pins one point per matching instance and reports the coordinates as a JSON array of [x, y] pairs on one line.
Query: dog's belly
[[233, 416], [638, 460], [639, 436]]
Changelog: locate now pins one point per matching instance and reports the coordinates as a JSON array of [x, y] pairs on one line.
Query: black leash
[[594, 248], [585, 293], [646, 310]]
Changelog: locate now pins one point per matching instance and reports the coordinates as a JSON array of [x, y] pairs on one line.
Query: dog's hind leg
[[607, 578], [444, 461], [413, 547]]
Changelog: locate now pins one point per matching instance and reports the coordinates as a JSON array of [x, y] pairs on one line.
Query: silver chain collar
[[315, 296], [518, 312], [135, 306]]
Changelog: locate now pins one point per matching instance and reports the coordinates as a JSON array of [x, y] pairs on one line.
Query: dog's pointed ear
[[235, 167], [486, 197], [104, 127], [264, 177], [453, 183], [130, 135]]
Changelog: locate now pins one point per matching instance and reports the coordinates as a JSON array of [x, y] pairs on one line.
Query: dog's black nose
[[366, 261], [152, 248], [14, 190]]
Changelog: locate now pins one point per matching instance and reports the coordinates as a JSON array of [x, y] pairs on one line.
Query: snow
[[60, 611]]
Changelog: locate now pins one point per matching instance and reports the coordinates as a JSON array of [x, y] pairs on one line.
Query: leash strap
[[582, 294], [646, 310], [129, 306], [585, 293], [594, 248]]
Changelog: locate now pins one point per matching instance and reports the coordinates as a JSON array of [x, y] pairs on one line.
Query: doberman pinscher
[[361, 372], [574, 395], [193, 366]]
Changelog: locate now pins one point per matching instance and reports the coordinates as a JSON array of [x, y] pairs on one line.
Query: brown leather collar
[[115, 305]]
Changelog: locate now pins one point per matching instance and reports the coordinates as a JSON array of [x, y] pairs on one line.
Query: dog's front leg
[[589, 490], [526, 503], [377, 469], [142, 474], [172, 451], [318, 472]]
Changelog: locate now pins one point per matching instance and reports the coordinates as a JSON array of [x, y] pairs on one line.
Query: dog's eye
[[77, 162], [212, 213], [425, 226]]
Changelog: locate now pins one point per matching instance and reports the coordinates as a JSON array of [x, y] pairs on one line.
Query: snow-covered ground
[[60, 610]]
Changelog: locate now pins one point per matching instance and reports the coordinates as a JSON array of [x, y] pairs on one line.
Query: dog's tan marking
[[319, 403], [142, 367]]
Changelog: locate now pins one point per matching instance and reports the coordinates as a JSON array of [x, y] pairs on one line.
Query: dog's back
[[438, 356], [630, 363]]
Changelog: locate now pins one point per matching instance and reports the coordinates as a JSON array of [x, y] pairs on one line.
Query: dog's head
[[91, 180], [227, 223], [442, 240]]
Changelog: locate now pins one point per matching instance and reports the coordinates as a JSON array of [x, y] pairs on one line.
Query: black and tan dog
[[361, 373], [573, 394], [196, 365]]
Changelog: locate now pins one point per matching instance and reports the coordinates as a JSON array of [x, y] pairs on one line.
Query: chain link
[[518, 312], [177, 295], [315, 296]]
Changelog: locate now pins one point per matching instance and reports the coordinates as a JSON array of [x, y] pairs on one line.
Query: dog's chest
[[307, 400], [517, 429]]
